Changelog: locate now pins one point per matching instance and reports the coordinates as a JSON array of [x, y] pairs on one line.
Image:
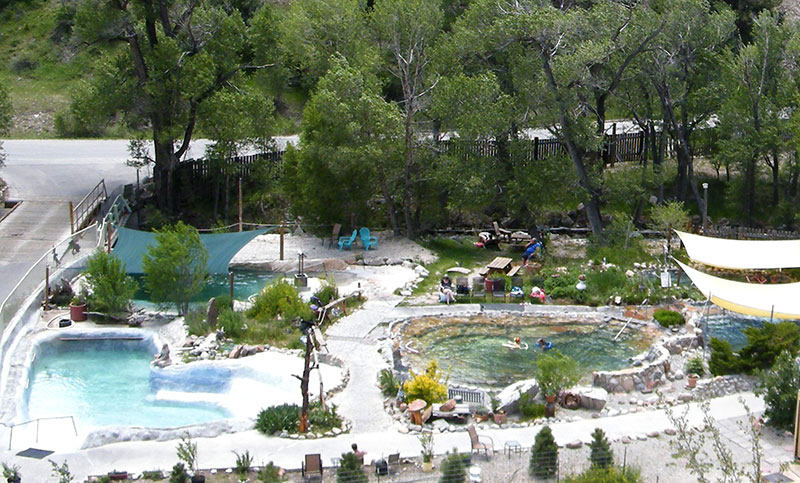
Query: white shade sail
[[781, 300], [741, 254]]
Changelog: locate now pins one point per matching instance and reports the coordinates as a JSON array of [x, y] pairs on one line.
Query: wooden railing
[[80, 215]]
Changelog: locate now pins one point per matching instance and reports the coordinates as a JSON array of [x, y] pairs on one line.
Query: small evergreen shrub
[[453, 468], [611, 474], [529, 408], [232, 322], [695, 366], [388, 383], [601, 454], [178, 474], [110, 286], [156, 475], [544, 455], [322, 421], [779, 386], [723, 360], [766, 343], [196, 323], [668, 318], [270, 474], [327, 293], [224, 301], [430, 386], [243, 463], [279, 300], [351, 469], [273, 419]]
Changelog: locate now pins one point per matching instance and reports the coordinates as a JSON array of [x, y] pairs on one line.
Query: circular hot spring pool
[[471, 350]]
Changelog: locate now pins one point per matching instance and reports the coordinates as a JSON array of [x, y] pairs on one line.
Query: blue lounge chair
[[347, 241], [367, 239]]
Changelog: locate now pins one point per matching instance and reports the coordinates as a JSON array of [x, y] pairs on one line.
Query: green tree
[[174, 57], [602, 456], [544, 455], [764, 345], [555, 371], [350, 144], [453, 468], [668, 216], [110, 287], [351, 469], [175, 267], [779, 386], [723, 360]]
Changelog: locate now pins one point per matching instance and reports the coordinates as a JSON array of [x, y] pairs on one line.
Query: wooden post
[[796, 427], [108, 237], [230, 281], [281, 240], [240, 203], [46, 286], [71, 219]]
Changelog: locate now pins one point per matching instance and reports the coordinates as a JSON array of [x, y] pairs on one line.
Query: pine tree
[[351, 469], [453, 469], [544, 455], [602, 456]]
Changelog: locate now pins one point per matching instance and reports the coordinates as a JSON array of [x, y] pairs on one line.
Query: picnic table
[[499, 264]]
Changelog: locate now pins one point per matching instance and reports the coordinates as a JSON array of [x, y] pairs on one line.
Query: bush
[[273, 419], [723, 360], [610, 474], [779, 386], [232, 323], [110, 287], [351, 469], [388, 383], [544, 455], [601, 456], [428, 386], [555, 371], [765, 344], [695, 366], [529, 408], [279, 299], [327, 293], [196, 323], [668, 318], [179, 474], [243, 463], [223, 302], [322, 421], [156, 475], [269, 474], [453, 468]]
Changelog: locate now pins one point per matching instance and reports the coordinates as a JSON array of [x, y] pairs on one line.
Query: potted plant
[[498, 415], [694, 370], [426, 440], [11, 473], [482, 414], [77, 308], [555, 372]]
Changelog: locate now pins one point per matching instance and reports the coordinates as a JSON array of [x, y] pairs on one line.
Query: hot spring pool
[[730, 327], [471, 349]]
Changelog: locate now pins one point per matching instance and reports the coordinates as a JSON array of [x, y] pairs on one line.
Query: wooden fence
[[745, 233]]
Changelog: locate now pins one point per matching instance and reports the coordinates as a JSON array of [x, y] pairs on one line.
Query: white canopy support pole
[[771, 313]]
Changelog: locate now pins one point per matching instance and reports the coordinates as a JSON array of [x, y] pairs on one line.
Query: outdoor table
[[512, 447], [501, 264]]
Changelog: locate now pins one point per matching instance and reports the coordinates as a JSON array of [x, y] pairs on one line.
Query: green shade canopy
[[132, 245]]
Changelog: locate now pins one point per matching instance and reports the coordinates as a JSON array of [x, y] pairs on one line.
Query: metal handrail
[[37, 420], [630, 319], [79, 214]]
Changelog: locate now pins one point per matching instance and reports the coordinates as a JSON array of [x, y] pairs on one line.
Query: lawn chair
[[334, 235], [478, 287], [368, 240], [501, 233], [499, 288], [347, 241], [312, 467], [479, 443], [462, 286], [394, 463]]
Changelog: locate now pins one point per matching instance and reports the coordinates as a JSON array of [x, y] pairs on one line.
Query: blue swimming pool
[[730, 327]]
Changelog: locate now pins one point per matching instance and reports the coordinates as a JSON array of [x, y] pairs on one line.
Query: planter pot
[[427, 466], [551, 398], [479, 418], [198, 479], [500, 418], [489, 284], [692, 379], [550, 410], [77, 312]]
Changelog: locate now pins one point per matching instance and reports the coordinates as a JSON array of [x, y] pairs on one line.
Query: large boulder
[[592, 397], [509, 397]]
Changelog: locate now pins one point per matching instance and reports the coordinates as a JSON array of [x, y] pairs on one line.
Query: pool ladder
[[630, 318]]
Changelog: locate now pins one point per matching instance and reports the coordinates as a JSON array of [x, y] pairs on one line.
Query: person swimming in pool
[[545, 345]]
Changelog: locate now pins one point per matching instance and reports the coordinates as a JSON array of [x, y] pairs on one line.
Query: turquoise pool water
[[731, 327], [110, 383], [471, 348]]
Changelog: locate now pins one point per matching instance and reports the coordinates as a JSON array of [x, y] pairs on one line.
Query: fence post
[[281, 240], [536, 149], [71, 219], [240, 203], [46, 286]]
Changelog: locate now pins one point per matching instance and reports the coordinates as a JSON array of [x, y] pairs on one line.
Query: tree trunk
[[775, 181], [408, 186], [795, 175], [750, 189], [165, 163], [304, 383]]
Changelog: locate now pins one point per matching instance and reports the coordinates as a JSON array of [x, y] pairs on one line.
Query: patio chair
[[347, 241], [394, 463], [368, 240], [312, 466], [501, 233], [478, 287], [337, 228], [499, 288], [479, 443], [462, 286]]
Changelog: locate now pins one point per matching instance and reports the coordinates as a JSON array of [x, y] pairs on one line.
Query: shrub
[[607, 282], [668, 318], [765, 344], [544, 455], [175, 267], [187, 452], [232, 323], [273, 419], [279, 299], [601, 456], [243, 463], [428, 386], [196, 323], [695, 366], [178, 474], [110, 287], [723, 360], [327, 293], [224, 302], [269, 474], [388, 383], [351, 469], [779, 386], [156, 475], [322, 421], [611, 474], [453, 468], [555, 371], [529, 408]]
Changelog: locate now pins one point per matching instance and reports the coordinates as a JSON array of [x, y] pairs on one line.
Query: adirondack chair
[[347, 241], [367, 239]]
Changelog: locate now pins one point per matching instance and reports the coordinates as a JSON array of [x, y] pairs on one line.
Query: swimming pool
[[103, 378], [471, 348], [730, 327]]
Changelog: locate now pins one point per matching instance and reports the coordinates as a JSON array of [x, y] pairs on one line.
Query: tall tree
[[759, 93], [177, 55], [406, 31]]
